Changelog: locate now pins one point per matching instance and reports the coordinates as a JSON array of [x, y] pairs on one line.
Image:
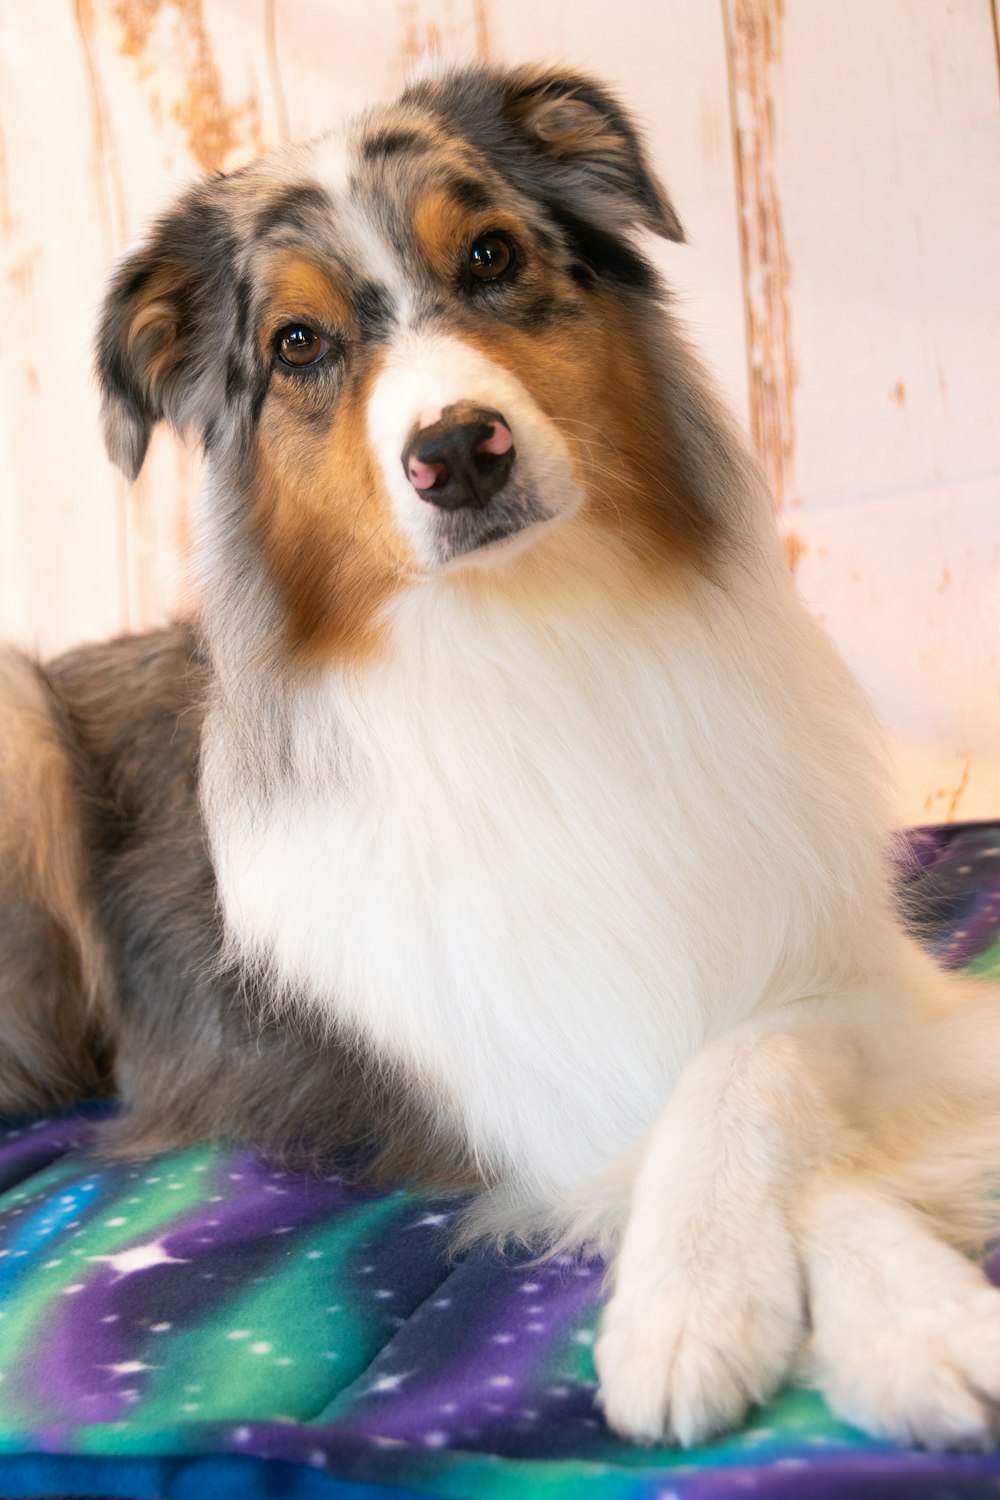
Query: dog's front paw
[[919, 1363], [687, 1346]]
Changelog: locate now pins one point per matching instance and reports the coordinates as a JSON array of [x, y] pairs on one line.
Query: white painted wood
[[888, 154], [912, 588], [876, 132], [61, 564]]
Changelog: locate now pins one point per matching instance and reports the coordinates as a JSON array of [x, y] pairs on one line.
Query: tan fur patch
[[153, 336], [442, 227], [323, 523], [298, 289], [444, 230], [571, 128], [597, 383]]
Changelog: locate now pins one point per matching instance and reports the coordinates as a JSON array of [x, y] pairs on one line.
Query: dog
[[504, 819]]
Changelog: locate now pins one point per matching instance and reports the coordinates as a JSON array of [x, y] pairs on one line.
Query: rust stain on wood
[[416, 40], [273, 67], [214, 130], [795, 550], [111, 214], [22, 274], [898, 393], [712, 131], [8, 223], [484, 43], [107, 178], [959, 792], [447, 36], [753, 51]]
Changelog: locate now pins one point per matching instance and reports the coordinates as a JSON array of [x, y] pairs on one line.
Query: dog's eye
[[491, 256], [298, 346]]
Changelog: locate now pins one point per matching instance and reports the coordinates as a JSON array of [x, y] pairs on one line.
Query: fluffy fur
[[537, 839]]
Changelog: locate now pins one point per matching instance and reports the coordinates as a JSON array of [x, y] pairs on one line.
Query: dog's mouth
[[507, 516]]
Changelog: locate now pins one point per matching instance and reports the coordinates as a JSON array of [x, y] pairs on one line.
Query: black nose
[[462, 459]]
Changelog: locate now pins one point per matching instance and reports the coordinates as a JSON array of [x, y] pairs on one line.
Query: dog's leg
[[906, 1330], [707, 1311]]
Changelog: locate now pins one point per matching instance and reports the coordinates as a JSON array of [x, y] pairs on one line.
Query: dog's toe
[[921, 1369], [670, 1385], [683, 1360]]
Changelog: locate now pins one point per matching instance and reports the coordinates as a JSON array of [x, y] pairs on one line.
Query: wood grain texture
[[753, 49], [834, 164], [885, 136]]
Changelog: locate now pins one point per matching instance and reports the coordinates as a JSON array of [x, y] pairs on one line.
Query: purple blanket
[[202, 1324]]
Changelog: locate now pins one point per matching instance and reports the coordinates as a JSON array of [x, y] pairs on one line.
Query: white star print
[[388, 1383], [139, 1258]]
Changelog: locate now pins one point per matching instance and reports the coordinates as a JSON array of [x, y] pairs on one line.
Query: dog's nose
[[462, 459]]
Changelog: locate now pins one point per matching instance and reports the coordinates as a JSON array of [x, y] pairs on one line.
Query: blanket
[[206, 1323]]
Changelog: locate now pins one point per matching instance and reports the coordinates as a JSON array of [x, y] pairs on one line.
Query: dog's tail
[[55, 985]]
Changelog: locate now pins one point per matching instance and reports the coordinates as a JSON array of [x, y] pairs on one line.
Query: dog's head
[[415, 345]]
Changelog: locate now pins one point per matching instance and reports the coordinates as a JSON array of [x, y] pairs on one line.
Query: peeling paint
[[753, 51], [214, 130]]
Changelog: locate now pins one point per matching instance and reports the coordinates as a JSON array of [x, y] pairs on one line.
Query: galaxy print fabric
[[203, 1324]]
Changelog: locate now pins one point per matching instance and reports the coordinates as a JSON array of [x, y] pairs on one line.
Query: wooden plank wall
[[836, 163]]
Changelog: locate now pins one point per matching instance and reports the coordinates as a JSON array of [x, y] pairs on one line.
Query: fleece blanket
[[204, 1324]]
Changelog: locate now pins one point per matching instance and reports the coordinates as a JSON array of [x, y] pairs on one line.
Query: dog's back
[[111, 975], [55, 983]]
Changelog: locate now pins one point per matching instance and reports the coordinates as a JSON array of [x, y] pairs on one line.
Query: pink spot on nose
[[499, 441], [424, 476]]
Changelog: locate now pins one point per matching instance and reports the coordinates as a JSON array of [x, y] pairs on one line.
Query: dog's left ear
[[589, 150], [163, 329]]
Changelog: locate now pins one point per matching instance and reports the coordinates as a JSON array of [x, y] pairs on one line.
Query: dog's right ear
[[588, 149], [155, 358]]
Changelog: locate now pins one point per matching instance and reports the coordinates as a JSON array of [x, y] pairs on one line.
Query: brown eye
[[491, 256], [299, 346]]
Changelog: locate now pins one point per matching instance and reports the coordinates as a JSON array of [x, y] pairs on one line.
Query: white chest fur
[[543, 859]]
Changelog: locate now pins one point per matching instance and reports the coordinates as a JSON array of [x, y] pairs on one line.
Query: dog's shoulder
[[135, 706]]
